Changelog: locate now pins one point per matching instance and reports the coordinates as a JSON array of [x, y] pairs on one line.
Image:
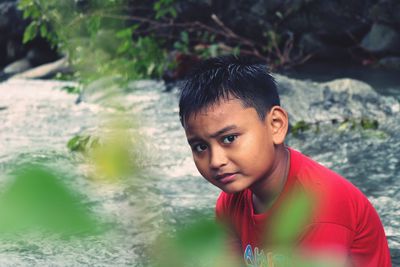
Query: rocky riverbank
[[39, 118]]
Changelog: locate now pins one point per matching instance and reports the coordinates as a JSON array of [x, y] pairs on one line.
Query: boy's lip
[[225, 177]]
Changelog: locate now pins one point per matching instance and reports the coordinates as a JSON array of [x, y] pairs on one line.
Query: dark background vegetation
[[140, 38]]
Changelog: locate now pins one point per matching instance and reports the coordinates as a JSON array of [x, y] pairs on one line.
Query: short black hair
[[218, 78]]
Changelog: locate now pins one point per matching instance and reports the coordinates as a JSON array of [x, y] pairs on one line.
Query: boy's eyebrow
[[216, 134], [223, 130]]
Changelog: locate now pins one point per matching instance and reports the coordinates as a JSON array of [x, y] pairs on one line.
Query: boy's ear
[[279, 123]]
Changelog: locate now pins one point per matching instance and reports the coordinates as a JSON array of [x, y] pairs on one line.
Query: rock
[[382, 39], [310, 44], [45, 70], [386, 12], [337, 100], [323, 17], [17, 66], [11, 28], [390, 63], [9, 15], [3, 76], [40, 52]]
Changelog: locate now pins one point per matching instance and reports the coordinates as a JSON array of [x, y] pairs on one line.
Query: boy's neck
[[267, 190]]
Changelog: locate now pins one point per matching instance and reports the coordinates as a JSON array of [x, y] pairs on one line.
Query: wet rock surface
[[334, 101]]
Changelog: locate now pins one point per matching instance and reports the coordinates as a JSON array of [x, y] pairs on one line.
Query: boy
[[235, 126]]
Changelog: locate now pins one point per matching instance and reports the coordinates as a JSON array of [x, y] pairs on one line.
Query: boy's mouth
[[225, 177]]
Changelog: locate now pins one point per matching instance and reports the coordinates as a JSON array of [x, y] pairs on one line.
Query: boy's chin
[[232, 189]]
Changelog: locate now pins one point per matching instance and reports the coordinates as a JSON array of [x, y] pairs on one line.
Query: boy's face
[[232, 147]]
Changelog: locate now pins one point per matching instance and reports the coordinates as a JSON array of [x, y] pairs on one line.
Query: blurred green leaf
[[200, 244], [164, 8], [37, 200], [43, 30], [30, 32], [83, 143], [291, 218]]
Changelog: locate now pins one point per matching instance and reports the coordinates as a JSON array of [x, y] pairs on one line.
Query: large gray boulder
[[382, 39], [390, 63], [334, 101], [386, 12]]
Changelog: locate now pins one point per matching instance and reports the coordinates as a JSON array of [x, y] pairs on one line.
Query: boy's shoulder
[[336, 199], [334, 196], [316, 178]]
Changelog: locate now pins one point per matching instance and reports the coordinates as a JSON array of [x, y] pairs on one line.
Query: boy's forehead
[[219, 104], [218, 112], [213, 108]]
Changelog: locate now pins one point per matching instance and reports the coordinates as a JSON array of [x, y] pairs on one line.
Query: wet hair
[[219, 78]]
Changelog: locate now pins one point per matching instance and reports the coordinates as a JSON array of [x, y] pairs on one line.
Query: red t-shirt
[[338, 218]]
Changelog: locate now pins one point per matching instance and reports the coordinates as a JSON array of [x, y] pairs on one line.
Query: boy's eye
[[229, 139], [199, 147]]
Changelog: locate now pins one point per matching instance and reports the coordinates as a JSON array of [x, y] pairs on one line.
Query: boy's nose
[[218, 159]]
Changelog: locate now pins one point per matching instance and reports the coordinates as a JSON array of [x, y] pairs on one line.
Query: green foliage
[[362, 124], [82, 144], [211, 50], [182, 45], [38, 12], [113, 152], [291, 218], [367, 127], [71, 89], [369, 124], [37, 201], [147, 64], [300, 127], [207, 47], [347, 124], [164, 8], [65, 77], [200, 244], [273, 38], [98, 39]]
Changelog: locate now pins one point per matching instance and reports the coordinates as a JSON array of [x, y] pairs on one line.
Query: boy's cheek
[[204, 174], [200, 167]]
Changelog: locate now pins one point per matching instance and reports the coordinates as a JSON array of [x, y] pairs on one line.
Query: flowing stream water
[[38, 119]]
